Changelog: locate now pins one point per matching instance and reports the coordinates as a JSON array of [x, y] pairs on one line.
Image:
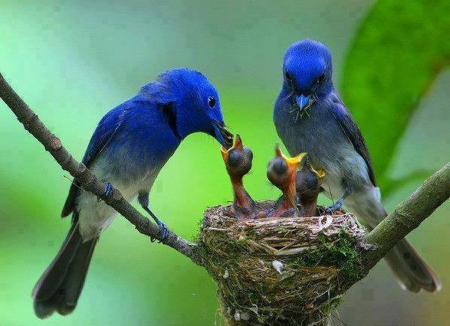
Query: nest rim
[[279, 270]]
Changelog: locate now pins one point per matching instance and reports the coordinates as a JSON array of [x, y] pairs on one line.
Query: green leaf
[[396, 55]]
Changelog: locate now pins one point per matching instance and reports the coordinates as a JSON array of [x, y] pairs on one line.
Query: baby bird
[[308, 187], [281, 172], [238, 162]]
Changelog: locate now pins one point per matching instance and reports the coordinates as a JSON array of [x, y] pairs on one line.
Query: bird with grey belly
[[128, 149], [310, 116]]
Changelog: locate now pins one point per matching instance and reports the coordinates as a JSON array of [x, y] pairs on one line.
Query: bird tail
[[60, 285], [411, 270], [408, 267]]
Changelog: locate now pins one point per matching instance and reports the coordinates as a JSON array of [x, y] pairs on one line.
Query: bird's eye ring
[[211, 101]]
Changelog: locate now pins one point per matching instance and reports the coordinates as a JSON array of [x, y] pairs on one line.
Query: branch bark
[[88, 181], [408, 215]]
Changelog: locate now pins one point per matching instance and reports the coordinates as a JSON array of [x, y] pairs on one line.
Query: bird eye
[[321, 78], [288, 76], [211, 102]]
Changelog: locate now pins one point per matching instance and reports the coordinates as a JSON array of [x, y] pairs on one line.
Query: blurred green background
[[73, 61]]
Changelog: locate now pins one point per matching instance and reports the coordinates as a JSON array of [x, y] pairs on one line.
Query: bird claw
[[333, 208], [163, 230], [108, 191], [337, 205]]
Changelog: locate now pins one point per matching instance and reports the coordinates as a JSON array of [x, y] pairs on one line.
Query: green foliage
[[396, 55]]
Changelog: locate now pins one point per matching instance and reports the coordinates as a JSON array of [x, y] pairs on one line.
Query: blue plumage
[[310, 116], [131, 144]]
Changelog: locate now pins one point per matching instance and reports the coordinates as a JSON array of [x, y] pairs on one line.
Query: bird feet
[[337, 205], [333, 208], [108, 191], [163, 230]]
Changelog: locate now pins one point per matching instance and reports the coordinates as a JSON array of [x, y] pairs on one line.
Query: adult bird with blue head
[[310, 116], [130, 145]]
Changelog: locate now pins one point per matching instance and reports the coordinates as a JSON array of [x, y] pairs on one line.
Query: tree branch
[[87, 179], [408, 215]]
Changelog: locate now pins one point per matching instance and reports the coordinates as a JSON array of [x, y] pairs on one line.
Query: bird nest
[[280, 271]]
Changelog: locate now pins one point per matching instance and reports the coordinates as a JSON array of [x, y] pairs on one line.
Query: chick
[[308, 188], [238, 162], [281, 172]]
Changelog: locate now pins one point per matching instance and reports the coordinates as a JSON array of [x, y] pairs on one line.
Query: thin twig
[[87, 179]]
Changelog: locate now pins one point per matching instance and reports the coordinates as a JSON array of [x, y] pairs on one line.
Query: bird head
[[309, 179], [282, 170], [238, 159], [308, 188], [192, 102], [307, 72]]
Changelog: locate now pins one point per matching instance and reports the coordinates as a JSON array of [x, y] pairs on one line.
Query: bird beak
[[223, 136], [237, 144], [291, 161], [319, 173], [303, 101], [295, 161]]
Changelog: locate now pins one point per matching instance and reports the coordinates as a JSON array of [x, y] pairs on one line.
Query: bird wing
[[103, 134], [353, 134]]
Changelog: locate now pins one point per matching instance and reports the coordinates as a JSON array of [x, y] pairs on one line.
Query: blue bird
[[310, 117], [131, 144]]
